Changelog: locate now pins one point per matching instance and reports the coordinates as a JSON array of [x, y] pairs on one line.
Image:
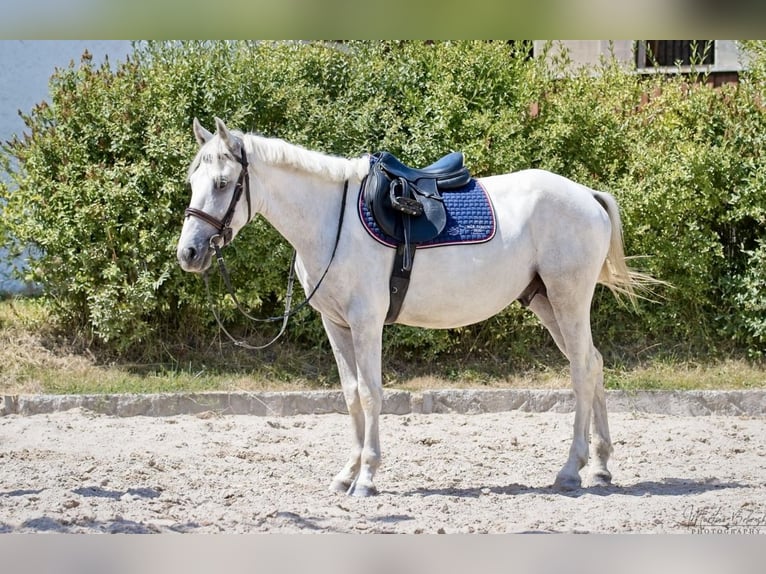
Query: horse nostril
[[189, 254]]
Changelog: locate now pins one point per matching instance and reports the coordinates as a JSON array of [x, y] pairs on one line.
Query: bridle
[[224, 236], [223, 226]]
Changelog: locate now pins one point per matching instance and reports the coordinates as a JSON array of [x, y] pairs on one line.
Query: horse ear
[[224, 133], [200, 133]]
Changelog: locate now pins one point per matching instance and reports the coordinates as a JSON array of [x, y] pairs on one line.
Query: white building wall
[[590, 52]]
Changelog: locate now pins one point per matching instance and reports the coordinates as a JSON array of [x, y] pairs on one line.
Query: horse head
[[219, 177]]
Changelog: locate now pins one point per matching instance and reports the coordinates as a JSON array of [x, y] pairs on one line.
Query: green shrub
[[99, 180]]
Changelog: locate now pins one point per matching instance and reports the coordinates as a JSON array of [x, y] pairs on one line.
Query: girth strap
[[400, 280]]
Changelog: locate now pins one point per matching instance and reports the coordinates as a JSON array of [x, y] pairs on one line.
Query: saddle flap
[[393, 205]]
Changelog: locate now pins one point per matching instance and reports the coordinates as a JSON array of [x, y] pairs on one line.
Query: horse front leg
[[368, 344], [343, 349]]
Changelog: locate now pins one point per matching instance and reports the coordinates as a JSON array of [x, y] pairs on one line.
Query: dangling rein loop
[[217, 242], [227, 281]]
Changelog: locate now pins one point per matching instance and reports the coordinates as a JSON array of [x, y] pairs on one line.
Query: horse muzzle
[[193, 258]]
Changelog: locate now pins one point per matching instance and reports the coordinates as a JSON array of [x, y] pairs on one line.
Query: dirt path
[[76, 471]]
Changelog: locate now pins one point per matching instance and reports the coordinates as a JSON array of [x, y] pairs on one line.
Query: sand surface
[[77, 471]]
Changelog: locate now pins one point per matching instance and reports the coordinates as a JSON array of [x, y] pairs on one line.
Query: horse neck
[[304, 209]]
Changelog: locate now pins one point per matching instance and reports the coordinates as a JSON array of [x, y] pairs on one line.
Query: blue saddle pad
[[470, 218]]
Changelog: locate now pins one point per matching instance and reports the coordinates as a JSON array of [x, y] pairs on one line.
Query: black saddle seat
[[449, 171]]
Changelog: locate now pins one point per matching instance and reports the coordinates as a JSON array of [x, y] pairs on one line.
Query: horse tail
[[615, 273]]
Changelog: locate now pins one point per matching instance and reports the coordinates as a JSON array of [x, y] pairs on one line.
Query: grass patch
[[36, 359], [688, 375]]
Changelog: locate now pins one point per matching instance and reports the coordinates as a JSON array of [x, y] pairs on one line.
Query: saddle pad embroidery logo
[[470, 218]]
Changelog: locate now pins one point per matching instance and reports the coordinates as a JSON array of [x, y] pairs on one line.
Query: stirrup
[[407, 205], [403, 201]]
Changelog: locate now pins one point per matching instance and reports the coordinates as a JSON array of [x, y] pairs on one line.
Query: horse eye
[[221, 182]]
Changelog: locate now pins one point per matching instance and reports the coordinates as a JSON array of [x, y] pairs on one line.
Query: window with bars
[[673, 53]]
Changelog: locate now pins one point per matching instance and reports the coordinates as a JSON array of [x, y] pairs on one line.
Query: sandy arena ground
[[77, 471]]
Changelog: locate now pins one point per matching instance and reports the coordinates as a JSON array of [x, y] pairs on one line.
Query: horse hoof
[[602, 478], [567, 483], [362, 490], [341, 486]]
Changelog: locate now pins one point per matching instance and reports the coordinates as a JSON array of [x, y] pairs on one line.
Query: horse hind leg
[[601, 443], [568, 341], [571, 332]]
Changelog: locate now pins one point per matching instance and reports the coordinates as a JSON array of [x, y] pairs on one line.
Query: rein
[[220, 240]]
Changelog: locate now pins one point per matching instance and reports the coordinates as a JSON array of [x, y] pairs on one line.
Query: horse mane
[[279, 153]]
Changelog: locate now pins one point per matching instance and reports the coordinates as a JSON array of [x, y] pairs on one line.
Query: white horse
[[547, 225]]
